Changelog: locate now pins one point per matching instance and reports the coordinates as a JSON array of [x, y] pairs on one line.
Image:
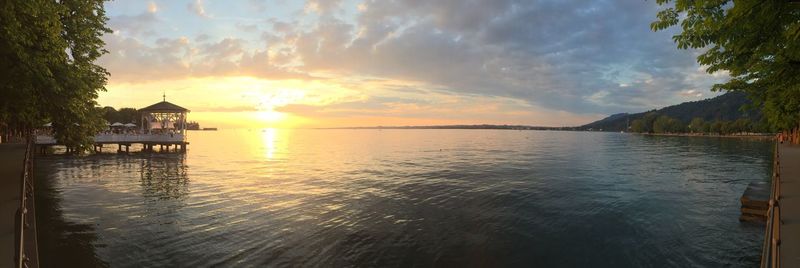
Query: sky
[[342, 63]]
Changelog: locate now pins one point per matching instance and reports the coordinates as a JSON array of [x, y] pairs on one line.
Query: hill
[[726, 107]]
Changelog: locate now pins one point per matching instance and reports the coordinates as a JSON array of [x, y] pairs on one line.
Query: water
[[406, 198]]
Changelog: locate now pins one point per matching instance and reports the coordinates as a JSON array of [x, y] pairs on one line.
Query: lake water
[[392, 198]]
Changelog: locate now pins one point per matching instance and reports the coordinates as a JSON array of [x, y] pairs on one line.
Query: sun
[[270, 116], [267, 104]]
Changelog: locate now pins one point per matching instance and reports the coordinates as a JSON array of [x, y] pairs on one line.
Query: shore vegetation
[[48, 71], [662, 124], [755, 42]]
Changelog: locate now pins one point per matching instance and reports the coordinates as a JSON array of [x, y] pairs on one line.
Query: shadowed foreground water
[[406, 198]]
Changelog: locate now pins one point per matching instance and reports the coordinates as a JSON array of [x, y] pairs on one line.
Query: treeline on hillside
[[654, 123], [726, 107]]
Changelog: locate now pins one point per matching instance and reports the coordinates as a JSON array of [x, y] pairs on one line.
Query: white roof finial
[[165, 96]]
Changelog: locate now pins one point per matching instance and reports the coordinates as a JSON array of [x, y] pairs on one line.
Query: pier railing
[[26, 248], [771, 253], [138, 137], [122, 138]]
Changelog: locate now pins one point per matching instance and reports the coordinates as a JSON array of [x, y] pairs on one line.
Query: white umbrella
[[117, 124], [48, 125], [130, 125]]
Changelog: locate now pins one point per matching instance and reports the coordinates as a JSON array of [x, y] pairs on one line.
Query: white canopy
[[130, 125], [117, 124], [48, 125]]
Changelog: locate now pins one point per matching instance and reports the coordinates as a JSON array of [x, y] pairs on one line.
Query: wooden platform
[[166, 142], [790, 205], [11, 159], [755, 202]]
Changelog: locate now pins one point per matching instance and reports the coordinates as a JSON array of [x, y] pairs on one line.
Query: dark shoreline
[[754, 136]]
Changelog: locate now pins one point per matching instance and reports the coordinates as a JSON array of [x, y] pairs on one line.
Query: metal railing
[[27, 254], [771, 252]]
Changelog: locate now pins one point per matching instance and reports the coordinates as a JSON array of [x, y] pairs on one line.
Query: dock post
[[127, 148], [119, 147]]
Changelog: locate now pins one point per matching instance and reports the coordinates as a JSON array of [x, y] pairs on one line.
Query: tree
[[638, 126], [661, 125], [743, 125], [123, 115], [756, 41], [707, 127], [696, 126], [48, 73], [716, 127]]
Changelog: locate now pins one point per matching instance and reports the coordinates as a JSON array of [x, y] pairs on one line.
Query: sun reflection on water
[[268, 138]]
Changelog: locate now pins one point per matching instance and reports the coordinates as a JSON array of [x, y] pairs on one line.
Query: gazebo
[[164, 117]]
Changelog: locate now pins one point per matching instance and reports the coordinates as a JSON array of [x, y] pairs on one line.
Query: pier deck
[[790, 205], [11, 159], [148, 141]]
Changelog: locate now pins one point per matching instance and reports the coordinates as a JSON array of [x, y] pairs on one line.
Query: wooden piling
[[755, 202]]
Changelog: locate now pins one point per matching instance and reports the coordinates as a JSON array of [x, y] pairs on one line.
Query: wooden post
[[127, 147]]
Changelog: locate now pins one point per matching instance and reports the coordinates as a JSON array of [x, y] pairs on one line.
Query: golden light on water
[[268, 139]]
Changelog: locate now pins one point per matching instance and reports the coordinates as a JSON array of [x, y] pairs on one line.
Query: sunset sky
[[281, 63]]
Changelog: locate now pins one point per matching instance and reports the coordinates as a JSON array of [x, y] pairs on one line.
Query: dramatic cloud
[[567, 55], [520, 59]]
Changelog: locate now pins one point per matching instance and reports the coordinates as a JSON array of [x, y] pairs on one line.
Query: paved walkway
[[11, 158], [790, 205]]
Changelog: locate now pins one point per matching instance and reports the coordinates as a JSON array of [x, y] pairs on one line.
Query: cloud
[[135, 25], [152, 7], [571, 58], [134, 61], [322, 6], [564, 55], [197, 8]]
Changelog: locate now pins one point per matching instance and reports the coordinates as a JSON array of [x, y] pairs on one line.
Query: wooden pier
[[11, 166], [782, 236], [165, 142], [789, 201]]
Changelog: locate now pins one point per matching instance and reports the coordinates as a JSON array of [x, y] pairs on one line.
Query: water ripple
[[408, 198]]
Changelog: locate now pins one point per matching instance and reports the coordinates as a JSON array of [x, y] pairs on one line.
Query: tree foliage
[[48, 73], [756, 41], [123, 115], [666, 124]]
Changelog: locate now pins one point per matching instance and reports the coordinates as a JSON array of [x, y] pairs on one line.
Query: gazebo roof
[[164, 107]]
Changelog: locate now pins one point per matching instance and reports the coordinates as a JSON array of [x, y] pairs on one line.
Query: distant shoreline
[[764, 136], [504, 127]]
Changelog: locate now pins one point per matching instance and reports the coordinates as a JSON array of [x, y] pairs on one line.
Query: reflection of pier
[[164, 177]]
